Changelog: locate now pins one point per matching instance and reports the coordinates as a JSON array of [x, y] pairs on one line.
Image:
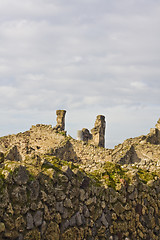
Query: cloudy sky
[[89, 57]]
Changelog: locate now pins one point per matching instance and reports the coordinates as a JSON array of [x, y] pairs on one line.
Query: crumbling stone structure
[[60, 120], [97, 135], [98, 132], [55, 187]]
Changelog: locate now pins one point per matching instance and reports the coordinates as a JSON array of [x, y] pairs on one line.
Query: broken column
[[98, 132], [60, 120]]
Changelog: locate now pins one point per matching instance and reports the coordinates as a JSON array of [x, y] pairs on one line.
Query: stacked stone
[[69, 205]]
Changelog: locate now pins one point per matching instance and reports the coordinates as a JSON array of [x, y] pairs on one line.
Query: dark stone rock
[[38, 218], [29, 221], [72, 221], [59, 207], [86, 211], [34, 190], [19, 194], [85, 182], [21, 175], [64, 225], [13, 154], [43, 227], [79, 219], [20, 237], [104, 220], [68, 172]]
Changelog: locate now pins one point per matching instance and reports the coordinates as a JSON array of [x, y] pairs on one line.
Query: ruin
[[55, 187], [97, 135], [60, 120], [98, 132]]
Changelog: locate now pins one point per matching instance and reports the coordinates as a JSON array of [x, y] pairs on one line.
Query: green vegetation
[[56, 164], [111, 175], [145, 175]]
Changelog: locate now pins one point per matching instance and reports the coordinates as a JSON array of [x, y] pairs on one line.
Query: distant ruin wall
[[97, 135]]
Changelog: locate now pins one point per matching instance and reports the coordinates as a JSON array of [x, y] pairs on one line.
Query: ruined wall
[[97, 135], [53, 187]]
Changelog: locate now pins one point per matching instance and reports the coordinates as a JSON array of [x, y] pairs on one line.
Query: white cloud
[[85, 56]]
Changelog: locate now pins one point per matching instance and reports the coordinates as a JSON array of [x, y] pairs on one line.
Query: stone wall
[[66, 204]]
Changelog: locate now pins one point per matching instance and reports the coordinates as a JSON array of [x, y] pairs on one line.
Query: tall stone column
[[98, 132], [60, 120]]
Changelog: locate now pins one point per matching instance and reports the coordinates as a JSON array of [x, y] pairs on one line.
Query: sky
[[88, 57]]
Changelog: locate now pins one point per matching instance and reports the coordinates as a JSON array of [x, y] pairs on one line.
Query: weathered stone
[[64, 225], [65, 213], [60, 120], [118, 208], [72, 221], [13, 154], [20, 237], [104, 220], [59, 194], [34, 189], [68, 203], [38, 218], [85, 182], [67, 171], [86, 212], [43, 227], [82, 195], [59, 207], [21, 175], [79, 219], [29, 219], [19, 194], [98, 132]]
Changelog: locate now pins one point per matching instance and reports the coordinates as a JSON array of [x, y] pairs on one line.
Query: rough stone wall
[[68, 205]]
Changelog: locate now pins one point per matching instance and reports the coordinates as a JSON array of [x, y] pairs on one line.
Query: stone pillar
[[60, 120], [98, 132]]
